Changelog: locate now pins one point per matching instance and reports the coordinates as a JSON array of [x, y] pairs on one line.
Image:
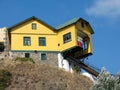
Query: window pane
[[85, 45], [42, 41], [82, 24], [27, 55], [34, 26], [27, 41], [67, 37], [43, 56]]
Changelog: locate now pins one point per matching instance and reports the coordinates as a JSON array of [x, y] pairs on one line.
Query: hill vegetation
[[32, 76], [107, 81]]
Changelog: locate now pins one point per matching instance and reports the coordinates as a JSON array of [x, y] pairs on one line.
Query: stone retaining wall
[[51, 57]]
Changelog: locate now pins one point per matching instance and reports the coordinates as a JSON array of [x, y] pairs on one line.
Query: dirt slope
[[28, 76]]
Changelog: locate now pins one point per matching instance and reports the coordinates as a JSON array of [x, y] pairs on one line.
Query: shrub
[[76, 68], [106, 81], [24, 59], [5, 79]]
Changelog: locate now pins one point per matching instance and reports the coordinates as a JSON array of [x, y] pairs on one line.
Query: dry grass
[[29, 76]]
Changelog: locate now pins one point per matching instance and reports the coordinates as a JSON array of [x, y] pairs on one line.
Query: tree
[[106, 81], [117, 82]]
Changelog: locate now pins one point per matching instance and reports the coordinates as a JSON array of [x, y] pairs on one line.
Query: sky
[[103, 16]]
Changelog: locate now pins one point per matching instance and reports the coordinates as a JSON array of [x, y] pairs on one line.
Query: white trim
[[65, 64], [60, 60]]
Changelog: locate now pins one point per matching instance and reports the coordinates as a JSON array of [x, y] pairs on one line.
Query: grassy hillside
[[29, 76]]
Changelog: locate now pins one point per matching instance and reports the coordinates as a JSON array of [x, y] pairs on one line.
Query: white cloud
[[107, 8]]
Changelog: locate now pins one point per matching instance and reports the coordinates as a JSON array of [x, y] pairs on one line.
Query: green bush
[[5, 79], [106, 81], [76, 68], [24, 59]]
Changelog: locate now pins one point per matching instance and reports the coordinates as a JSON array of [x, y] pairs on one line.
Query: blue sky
[[103, 15]]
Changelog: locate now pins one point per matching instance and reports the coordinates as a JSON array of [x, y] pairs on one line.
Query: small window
[[82, 24], [43, 56], [67, 37], [42, 41], [34, 26], [27, 55], [27, 41], [85, 44]]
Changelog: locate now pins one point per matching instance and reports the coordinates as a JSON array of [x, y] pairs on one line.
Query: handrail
[[92, 66], [84, 66]]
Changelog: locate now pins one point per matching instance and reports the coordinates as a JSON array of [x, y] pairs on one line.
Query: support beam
[[84, 66]]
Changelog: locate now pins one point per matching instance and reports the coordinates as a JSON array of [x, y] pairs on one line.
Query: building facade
[[33, 38], [4, 37]]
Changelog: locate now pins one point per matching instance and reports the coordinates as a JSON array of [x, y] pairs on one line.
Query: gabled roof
[[31, 18], [73, 21]]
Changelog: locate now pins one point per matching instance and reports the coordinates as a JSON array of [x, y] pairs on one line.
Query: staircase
[[84, 66]]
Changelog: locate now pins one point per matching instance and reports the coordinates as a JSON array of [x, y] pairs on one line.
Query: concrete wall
[[65, 64]]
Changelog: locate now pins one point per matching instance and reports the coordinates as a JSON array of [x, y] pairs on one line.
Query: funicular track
[[84, 66]]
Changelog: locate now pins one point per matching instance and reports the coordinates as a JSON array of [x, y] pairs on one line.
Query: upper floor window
[[67, 37], [34, 26], [82, 24], [42, 41], [27, 41]]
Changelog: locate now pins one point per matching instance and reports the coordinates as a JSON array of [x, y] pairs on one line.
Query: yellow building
[[36, 39]]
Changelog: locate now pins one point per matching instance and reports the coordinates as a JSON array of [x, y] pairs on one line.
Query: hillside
[[29, 76]]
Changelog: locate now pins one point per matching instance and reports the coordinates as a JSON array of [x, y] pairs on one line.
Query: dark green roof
[[73, 21], [67, 23]]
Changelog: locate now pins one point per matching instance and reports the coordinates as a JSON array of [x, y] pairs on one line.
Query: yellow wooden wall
[[25, 30], [72, 43], [54, 39]]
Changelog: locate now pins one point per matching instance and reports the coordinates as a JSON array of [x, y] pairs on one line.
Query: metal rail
[[84, 66]]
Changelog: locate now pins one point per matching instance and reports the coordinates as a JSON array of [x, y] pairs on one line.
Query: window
[[42, 41], [27, 41], [82, 24], [43, 56], [85, 45], [34, 26], [67, 37], [27, 55]]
